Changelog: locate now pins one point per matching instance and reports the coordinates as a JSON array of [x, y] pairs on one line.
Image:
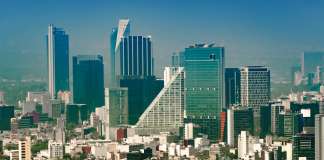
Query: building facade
[[123, 30], [165, 113], [58, 60], [303, 146], [6, 113], [136, 58], [232, 86], [88, 80], [117, 105], [319, 137], [204, 87], [24, 147], [238, 119], [255, 90]]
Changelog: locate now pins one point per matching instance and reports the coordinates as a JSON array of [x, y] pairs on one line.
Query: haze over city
[[161, 80], [272, 33]]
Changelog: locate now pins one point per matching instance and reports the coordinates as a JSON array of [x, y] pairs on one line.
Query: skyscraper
[[88, 81], [123, 30], [58, 60], [118, 106], [6, 113], [165, 113], [238, 119], [141, 92], [136, 56], [255, 90], [132, 67], [232, 86], [303, 146], [204, 87], [319, 137]]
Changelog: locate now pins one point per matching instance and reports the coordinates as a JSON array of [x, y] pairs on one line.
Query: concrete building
[[55, 150], [24, 147]]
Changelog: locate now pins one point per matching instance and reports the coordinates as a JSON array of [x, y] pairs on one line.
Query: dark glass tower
[[76, 113], [204, 87], [303, 146], [6, 113], [88, 81], [238, 119], [232, 86], [136, 57], [58, 60], [141, 92]]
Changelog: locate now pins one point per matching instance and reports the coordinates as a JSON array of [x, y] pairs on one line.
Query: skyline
[[255, 33]]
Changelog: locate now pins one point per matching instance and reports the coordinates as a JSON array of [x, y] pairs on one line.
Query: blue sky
[[254, 32]]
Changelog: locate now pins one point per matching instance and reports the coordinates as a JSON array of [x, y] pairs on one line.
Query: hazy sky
[[254, 32]]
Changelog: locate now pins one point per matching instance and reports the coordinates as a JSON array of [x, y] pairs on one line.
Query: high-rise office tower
[[141, 92], [275, 123], [118, 106], [58, 60], [308, 111], [136, 58], [238, 119], [132, 67], [6, 113], [255, 90], [232, 86], [88, 81], [303, 146], [319, 137], [123, 30], [265, 122], [310, 61], [290, 123], [204, 87], [165, 113]]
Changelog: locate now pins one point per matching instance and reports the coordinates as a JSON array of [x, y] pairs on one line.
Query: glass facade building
[[165, 113], [136, 56], [76, 113], [303, 146], [88, 81], [204, 87], [238, 119], [232, 86], [141, 92], [123, 30], [6, 113], [58, 60], [118, 106]]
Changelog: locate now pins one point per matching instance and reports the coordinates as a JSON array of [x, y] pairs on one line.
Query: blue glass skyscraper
[[58, 60]]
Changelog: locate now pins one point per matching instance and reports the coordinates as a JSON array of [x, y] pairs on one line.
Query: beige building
[[24, 147]]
